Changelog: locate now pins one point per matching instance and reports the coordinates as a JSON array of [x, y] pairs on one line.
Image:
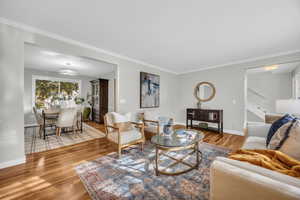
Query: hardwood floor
[[50, 174]]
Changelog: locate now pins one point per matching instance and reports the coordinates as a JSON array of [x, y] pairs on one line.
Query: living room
[[181, 71]]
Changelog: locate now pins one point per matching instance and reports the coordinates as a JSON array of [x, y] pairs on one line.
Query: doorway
[[56, 82]]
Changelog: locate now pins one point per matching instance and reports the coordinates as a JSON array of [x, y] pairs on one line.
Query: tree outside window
[[52, 92]]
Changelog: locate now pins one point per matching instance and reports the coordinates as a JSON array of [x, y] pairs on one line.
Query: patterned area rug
[[33, 142], [133, 177]]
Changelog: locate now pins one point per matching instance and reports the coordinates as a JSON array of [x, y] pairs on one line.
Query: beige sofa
[[235, 180]]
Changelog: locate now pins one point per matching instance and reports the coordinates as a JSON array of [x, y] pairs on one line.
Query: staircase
[[257, 104]]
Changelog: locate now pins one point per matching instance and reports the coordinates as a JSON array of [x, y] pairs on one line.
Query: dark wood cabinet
[[99, 99], [210, 116]]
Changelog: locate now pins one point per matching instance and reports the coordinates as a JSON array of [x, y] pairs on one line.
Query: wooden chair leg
[[59, 131], [40, 131], [119, 151], [142, 146]]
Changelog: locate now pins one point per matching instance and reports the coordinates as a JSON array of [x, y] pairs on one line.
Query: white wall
[[128, 83], [230, 89], [176, 91], [12, 84], [272, 86], [29, 73], [229, 84], [11, 98]]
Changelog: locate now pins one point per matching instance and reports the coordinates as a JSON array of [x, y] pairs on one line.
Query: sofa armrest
[[231, 182], [257, 129]]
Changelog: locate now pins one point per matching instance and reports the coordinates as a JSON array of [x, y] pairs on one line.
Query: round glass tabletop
[[179, 138]]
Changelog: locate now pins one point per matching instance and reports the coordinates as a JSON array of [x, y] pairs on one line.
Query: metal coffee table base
[[190, 166]]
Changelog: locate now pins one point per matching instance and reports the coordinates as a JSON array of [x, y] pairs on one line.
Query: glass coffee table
[[187, 144]]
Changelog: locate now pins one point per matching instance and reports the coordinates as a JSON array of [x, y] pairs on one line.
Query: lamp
[[290, 106]]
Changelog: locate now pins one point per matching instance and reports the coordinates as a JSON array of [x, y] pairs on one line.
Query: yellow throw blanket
[[270, 159]]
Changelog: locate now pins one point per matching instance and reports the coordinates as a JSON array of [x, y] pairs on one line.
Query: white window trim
[[49, 78]]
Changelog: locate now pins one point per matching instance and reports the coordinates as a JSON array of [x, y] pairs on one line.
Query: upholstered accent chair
[[152, 122], [123, 132]]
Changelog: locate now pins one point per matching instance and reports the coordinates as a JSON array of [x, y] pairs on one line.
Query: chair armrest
[[138, 125], [153, 121], [108, 126], [257, 129]]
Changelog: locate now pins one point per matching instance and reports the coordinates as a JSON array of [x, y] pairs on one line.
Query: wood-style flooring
[[50, 174]]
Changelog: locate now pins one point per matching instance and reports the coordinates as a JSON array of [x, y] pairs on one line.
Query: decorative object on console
[[205, 115], [204, 91], [149, 90]]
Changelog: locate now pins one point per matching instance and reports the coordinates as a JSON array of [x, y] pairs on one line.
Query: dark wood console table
[[205, 115]]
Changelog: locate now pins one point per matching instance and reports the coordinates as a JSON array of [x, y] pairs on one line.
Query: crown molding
[[84, 45], [245, 61], [35, 30]]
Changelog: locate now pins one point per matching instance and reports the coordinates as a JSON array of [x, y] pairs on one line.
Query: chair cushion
[[126, 137], [255, 143]]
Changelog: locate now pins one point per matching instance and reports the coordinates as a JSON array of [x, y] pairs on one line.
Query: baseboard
[[233, 132], [13, 162], [30, 125]]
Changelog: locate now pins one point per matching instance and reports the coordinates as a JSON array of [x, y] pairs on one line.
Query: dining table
[[50, 116]]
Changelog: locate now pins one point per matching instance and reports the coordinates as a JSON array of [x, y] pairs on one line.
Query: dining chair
[[39, 120], [67, 118], [123, 132]]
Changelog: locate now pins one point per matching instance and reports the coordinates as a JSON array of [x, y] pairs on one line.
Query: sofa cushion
[[276, 125], [255, 143]]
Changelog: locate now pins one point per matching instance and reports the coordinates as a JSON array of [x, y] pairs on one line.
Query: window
[[50, 91]]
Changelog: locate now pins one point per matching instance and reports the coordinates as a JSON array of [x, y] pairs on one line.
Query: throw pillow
[[276, 125], [277, 139], [292, 143]]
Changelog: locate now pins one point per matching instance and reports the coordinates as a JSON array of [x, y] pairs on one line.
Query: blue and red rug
[[133, 176]]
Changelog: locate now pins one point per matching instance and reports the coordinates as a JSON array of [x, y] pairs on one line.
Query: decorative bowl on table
[[181, 133]]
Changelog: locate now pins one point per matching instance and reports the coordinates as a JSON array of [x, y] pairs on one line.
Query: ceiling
[[178, 36], [45, 60], [280, 69]]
